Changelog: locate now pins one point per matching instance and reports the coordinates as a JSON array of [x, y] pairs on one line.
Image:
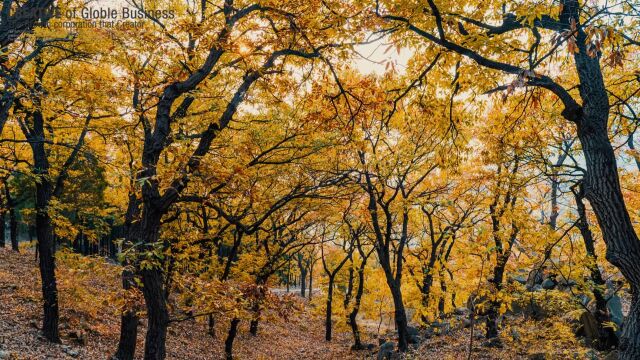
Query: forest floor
[[87, 312]]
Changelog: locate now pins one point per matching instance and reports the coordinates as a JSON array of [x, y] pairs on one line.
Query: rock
[[537, 356], [615, 310], [466, 323], [584, 299], [612, 355], [5, 355], [537, 287], [515, 335], [493, 343], [412, 331], [521, 279], [548, 284], [69, 351], [78, 336], [442, 328], [461, 311], [386, 351]]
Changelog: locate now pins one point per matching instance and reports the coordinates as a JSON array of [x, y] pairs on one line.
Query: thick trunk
[[128, 324], [129, 318], [400, 316], [327, 322], [425, 289], [44, 232], [607, 336], [157, 314], [601, 182], [228, 343], [45, 236], [493, 312]]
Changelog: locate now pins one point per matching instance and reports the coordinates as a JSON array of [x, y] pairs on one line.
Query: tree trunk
[[13, 228], [45, 235], [601, 181], [327, 323], [3, 220], [353, 315], [228, 343], [157, 314], [129, 318], [493, 312], [310, 280], [128, 324], [400, 316], [211, 326], [607, 336]]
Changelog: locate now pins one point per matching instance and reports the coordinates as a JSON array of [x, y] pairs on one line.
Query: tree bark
[[228, 343], [44, 233], [607, 336], [327, 322]]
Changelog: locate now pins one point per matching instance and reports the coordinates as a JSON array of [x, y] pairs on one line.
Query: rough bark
[[231, 335], [607, 337]]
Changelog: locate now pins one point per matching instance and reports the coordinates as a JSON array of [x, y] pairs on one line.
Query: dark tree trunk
[[400, 315], [607, 336], [303, 274], [353, 315], [128, 324], [129, 318], [228, 343], [211, 326], [443, 293], [157, 314], [45, 233], [3, 220], [310, 280], [327, 322], [493, 312], [13, 229], [601, 181]]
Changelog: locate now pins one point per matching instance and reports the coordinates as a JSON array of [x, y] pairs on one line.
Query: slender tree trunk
[[327, 323], [129, 318], [3, 220], [13, 228], [310, 280], [353, 315], [228, 343], [211, 326]]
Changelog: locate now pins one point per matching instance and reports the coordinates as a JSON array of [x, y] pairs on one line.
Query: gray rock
[[615, 309], [69, 351], [461, 311], [412, 331], [521, 279], [548, 284], [5, 354], [537, 287], [386, 351], [584, 299]]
